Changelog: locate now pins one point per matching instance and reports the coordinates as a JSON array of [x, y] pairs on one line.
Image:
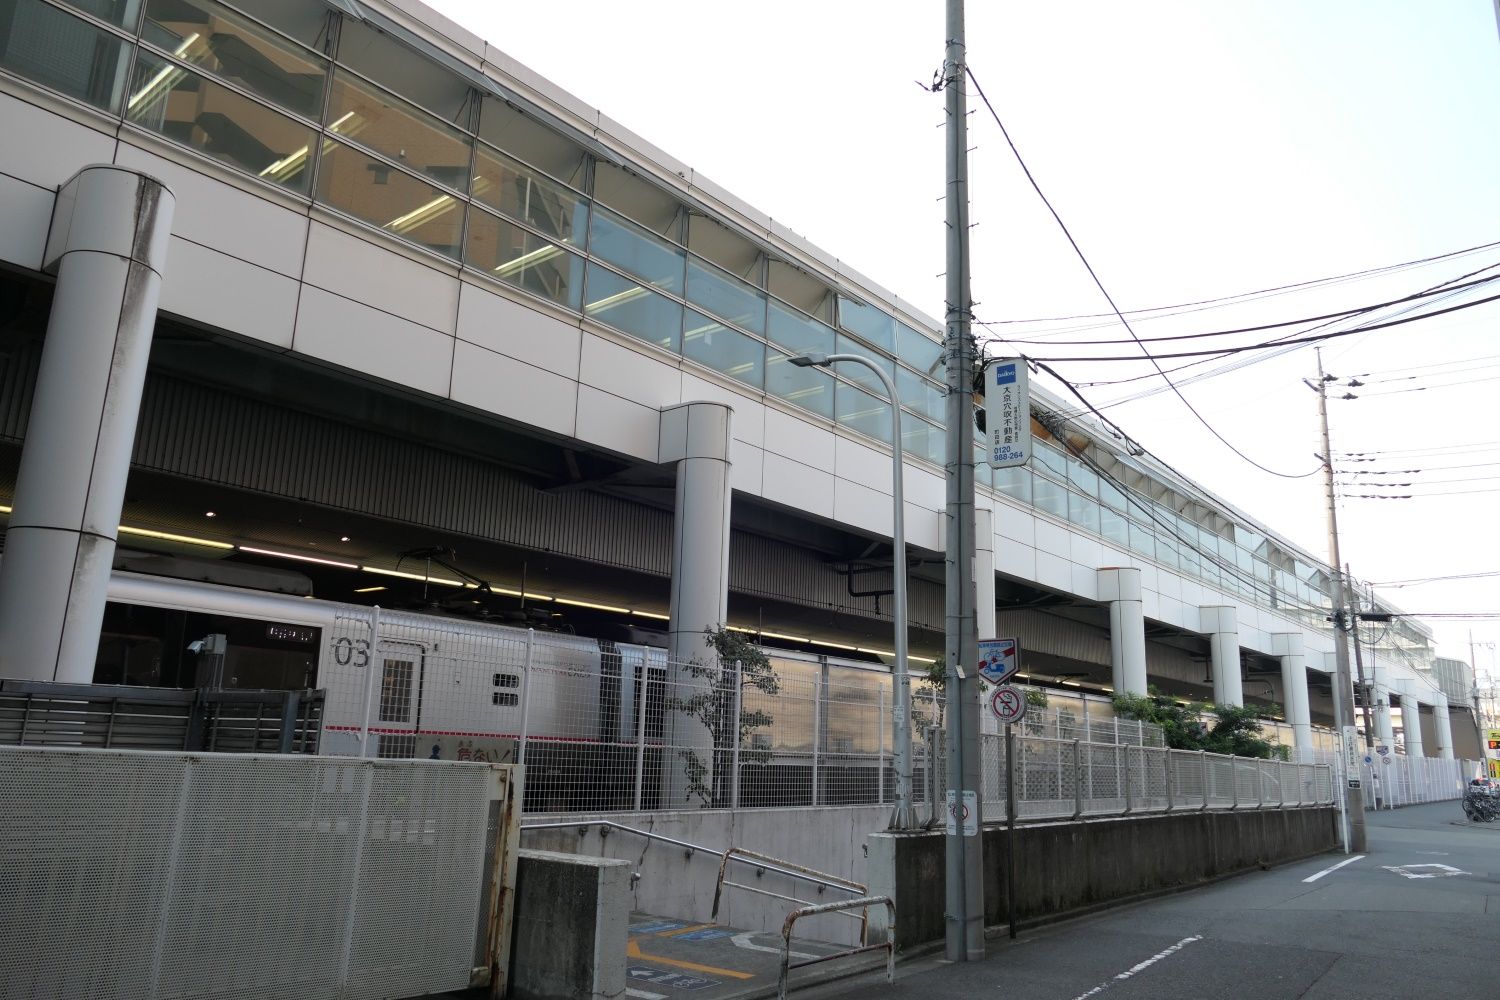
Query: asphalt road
[[1362, 931]]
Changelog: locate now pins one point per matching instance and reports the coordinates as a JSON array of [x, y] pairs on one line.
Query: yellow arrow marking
[[633, 950]]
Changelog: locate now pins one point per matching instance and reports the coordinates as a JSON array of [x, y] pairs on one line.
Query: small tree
[[1236, 729], [713, 706]]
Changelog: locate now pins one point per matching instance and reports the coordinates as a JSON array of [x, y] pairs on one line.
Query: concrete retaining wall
[[675, 884], [1067, 867], [572, 918]]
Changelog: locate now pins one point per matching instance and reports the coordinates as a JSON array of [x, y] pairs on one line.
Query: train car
[[594, 714]]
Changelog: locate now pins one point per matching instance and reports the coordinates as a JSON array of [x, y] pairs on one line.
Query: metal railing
[[762, 860], [1074, 779], [864, 902]]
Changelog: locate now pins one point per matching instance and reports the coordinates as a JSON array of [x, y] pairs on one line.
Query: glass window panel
[[984, 475], [523, 259], [868, 323], [714, 241], [1166, 550], [398, 130], [631, 249], [521, 193], [1050, 497], [391, 64], [809, 388], [219, 122], [921, 396], [205, 34], [1014, 482], [529, 140], [726, 297], [1050, 461], [63, 53], [1082, 478], [724, 349], [860, 411], [1114, 526], [798, 333], [638, 200], [922, 440], [632, 308], [121, 13], [1142, 540], [920, 351], [1083, 512], [1112, 496], [390, 199], [794, 285], [859, 373]]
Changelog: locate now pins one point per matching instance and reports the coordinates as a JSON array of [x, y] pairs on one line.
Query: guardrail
[[761, 861], [863, 902]]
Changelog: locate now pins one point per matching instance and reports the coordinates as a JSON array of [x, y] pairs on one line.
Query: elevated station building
[[337, 301]]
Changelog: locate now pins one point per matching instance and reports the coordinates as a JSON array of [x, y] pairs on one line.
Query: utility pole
[[1365, 691], [964, 908], [1343, 693]]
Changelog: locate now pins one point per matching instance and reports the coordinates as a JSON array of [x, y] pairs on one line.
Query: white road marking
[[644, 995], [743, 940], [1325, 871], [1141, 966], [1409, 871]]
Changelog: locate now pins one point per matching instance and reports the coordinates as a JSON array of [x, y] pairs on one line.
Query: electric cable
[[1110, 299]]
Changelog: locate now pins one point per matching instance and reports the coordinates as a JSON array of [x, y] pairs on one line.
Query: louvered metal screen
[[165, 875]]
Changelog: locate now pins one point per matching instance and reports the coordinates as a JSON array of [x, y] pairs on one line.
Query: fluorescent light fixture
[[877, 652], [738, 628], [538, 256], [286, 166], [617, 299], [421, 214], [919, 659], [651, 614], [1074, 684], [298, 558], [368, 590], [167, 536], [589, 604], [779, 635], [416, 576], [516, 593], [4, 509], [834, 645]]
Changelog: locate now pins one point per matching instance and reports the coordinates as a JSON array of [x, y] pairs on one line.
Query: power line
[[1105, 292], [1238, 297], [1419, 581], [1294, 340], [1428, 388]]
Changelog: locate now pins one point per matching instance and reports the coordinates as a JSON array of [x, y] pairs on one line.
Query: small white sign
[[964, 814], [1007, 412], [1008, 704], [1352, 751], [999, 659]]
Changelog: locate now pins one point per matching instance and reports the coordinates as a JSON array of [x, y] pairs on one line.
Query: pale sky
[[1195, 150]]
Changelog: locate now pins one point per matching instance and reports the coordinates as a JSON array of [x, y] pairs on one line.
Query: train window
[[395, 691], [151, 646], [507, 681], [501, 698]]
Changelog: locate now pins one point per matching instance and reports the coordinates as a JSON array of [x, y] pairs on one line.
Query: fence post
[[640, 729], [1234, 783], [734, 757], [1125, 757], [372, 665], [880, 749], [1077, 779], [817, 747], [1203, 757], [1166, 774], [1010, 829], [526, 695]]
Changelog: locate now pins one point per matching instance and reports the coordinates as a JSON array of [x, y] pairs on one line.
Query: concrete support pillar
[[1442, 727], [1385, 731], [1222, 624], [1289, 646], [1411, 720], [107, 246], [1120, 586], [697, 436], [984, 573]]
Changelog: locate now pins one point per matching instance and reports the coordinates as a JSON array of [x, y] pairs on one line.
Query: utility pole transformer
[[965, 869], [1343, 690]]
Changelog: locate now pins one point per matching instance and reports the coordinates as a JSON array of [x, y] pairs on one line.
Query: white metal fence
[[134, 874], [1072, 779], [1406, 781]]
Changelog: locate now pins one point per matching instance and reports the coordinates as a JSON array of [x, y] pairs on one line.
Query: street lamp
[[904, 817]]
